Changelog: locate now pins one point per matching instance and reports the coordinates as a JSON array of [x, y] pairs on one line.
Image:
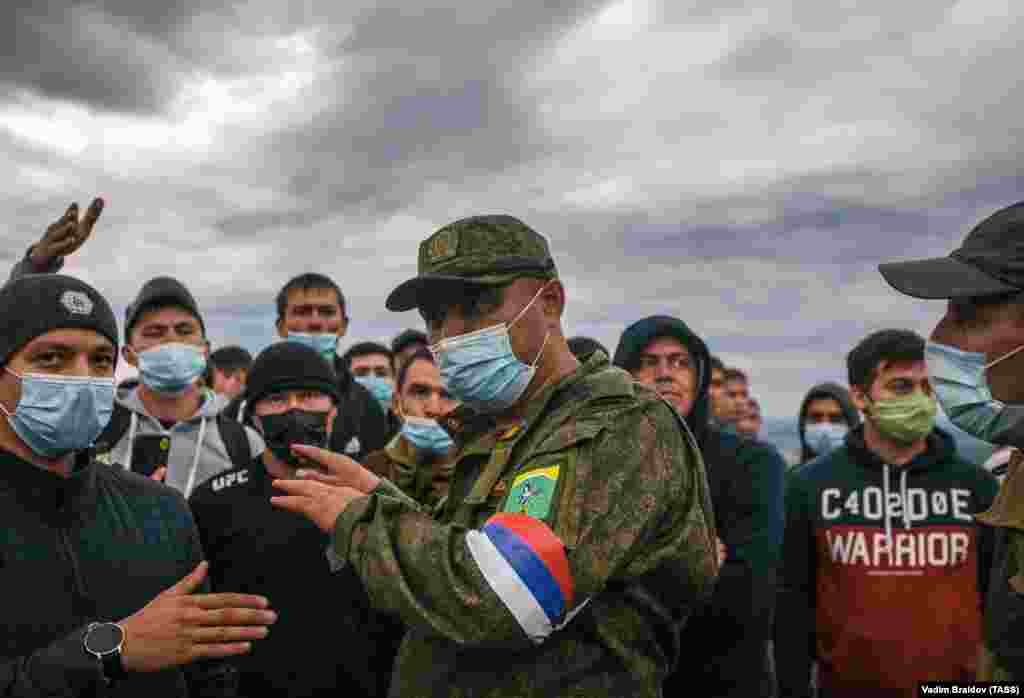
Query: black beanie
[[33, 305], [289, 366]]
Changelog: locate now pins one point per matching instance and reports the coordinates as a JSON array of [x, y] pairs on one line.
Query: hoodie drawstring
[[903, 498], [885, 507], [132, 426], [195, 460], [904, 503]]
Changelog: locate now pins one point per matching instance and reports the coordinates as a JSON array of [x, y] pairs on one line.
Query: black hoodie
[[725, 645], [825, 390], [884, 572]]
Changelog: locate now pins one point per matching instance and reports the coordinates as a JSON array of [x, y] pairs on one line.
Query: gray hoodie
[[197, 452]]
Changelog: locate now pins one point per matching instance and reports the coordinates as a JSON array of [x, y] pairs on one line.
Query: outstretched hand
[[65, 236], [320, 503], [178, 627]]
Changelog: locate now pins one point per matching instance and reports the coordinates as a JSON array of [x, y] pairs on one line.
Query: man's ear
[[552, 299], [343, 327], [859, 398], [282, 328]]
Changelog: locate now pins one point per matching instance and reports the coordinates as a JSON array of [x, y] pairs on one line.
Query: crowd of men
[[491, 508]]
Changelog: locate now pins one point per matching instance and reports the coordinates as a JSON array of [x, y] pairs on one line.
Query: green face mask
[[905, 419]]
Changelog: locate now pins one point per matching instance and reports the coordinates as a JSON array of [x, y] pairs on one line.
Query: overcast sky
[[742, 165]]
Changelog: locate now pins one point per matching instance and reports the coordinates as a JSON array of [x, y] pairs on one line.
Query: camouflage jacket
[[1002, 654], [424, 478], [609, 468]]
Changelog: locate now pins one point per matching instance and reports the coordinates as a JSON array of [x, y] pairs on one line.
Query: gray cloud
[[743, 165]]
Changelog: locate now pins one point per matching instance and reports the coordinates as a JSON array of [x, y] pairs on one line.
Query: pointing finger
[[308, 488], [300, 505]]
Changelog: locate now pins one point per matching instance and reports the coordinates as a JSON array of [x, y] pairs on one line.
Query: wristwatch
[[104, 641]]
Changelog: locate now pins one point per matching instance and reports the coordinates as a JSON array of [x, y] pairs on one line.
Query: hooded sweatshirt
[[725, 645], [197, 451], [884, 571], [825, 390]]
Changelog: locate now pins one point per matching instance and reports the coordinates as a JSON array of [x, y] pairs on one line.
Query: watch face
[[104, 638]]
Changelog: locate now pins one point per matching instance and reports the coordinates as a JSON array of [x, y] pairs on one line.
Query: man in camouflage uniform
[[975, 359], [578, 533]]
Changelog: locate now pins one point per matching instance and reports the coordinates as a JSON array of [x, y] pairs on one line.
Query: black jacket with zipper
[[96, 546]]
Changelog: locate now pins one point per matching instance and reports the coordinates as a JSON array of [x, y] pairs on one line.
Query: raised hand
[[178, 627], [65, 236]]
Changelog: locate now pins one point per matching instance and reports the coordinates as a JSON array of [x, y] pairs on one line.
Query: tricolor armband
[[524, 563]]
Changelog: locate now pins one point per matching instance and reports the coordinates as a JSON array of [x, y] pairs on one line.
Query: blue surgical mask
[[825, 437], [426, 435], [480, 369], [171, 368], [325, 343], [381, 388], [59, 414], [958, 379]]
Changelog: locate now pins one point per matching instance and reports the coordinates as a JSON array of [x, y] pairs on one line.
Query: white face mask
[[480, 369], [958, 378], [825, 437]]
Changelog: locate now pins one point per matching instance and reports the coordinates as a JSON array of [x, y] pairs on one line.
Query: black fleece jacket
[[96, 546]]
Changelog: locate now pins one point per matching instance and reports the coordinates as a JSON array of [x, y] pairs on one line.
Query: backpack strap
[[115, 429], [236, 441]]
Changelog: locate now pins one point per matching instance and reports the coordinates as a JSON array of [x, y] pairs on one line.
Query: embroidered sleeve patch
[[524, 563], [533, 492]]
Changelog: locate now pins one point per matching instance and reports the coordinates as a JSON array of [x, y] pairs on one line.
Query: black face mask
[[280, 431]]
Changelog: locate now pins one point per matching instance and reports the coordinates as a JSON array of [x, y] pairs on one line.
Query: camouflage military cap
[[480, 250]]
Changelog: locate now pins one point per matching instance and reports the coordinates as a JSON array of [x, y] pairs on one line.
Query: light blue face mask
[[825, 437], [171, 368], [480, 369], [958, 379], [325, 343], [59, 414], [426, 435], [381, 389]]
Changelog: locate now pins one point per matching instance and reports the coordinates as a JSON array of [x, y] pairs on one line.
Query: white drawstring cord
[[195, 460]]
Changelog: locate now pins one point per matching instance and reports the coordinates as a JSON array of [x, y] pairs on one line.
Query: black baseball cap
[[157, 293], [990, 262]]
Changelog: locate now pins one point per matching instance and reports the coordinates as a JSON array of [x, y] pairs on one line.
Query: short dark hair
[[308, 282], [734, 374], [584, 346], [230, 359], [716, 364], [407, 337], [900, 346], [420, 355], [365, 349]]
